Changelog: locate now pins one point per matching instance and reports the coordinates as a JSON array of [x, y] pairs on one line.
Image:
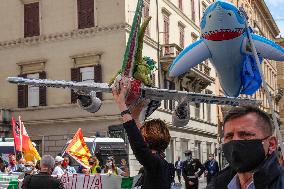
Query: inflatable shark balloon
[[224, 41]]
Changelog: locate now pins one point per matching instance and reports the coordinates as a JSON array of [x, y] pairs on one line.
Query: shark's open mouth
[[223, 34]]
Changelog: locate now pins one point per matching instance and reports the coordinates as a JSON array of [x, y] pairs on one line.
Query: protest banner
[[78, 181]]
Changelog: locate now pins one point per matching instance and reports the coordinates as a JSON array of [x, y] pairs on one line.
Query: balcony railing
[[168, 53], [204, 68], [170, 50]]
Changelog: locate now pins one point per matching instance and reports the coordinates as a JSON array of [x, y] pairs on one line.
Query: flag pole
[[21, 137], [13, 122]]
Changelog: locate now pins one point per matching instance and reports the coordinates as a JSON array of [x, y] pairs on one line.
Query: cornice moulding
[[74, 34]]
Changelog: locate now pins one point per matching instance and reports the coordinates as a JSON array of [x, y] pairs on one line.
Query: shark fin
[[189, 57], [265, 48]]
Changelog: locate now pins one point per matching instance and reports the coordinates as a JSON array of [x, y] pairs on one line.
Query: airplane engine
[[181, 115], [90, 103]]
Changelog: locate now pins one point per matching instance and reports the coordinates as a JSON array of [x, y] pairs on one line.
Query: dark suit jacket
[[42, 181], [176, 163], [269, 175]]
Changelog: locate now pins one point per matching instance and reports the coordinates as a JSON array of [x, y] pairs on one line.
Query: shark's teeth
[[223, 34]]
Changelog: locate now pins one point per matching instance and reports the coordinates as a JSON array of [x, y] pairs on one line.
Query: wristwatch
[[127, 111]]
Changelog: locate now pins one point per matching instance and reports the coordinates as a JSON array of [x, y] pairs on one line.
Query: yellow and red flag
[[23, 142], [78, 149]]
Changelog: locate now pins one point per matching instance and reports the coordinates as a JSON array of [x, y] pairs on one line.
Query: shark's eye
[[210, 16], [230, 14]]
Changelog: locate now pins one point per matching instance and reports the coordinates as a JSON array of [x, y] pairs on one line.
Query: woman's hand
[[119, 93]]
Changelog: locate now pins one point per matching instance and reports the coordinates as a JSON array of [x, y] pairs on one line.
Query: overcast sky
[[277, 10]]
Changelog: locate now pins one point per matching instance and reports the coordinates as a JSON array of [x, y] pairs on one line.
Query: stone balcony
[[196, 79], [168, 54]]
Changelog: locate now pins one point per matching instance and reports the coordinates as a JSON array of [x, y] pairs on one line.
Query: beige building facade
[[280, 83], [85, 40]]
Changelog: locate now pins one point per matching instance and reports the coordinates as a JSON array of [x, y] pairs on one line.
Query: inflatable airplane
[[225, 42], [138, 70]]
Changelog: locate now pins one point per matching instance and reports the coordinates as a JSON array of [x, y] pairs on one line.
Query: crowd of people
[[62, 166], [46, 169]]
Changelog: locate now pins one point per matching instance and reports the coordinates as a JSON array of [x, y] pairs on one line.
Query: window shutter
[[22, 94], [31, 20], [180, 4], [192, 10], [166, 30], [166, 33], [42, 90], [98, 77], [75, 76], [181, 35], [85, 13]]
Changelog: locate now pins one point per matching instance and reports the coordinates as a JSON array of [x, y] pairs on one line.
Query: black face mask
[[244, 155]]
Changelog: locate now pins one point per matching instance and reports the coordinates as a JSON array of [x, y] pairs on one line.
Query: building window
[[29, 96], [31, 20], [208, 148], [197, 146], [184, 147], [86, 18], [170, 152], [146, 14], [192, 10], [197, 111], [181, 36], [87, 74], [166, 29], [33, 92], [90, 73], [180, 5], [208, 112]]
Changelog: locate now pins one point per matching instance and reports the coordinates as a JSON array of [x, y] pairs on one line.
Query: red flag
[[16, 134]]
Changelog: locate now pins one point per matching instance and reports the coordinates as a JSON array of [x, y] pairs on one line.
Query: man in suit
[[178, 168], [192, 170], [212, 167]]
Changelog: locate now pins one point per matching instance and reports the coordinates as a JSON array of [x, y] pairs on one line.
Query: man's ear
[[272, 144]]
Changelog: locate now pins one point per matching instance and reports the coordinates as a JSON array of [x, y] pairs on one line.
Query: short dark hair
[[264, 121], [156, 134]]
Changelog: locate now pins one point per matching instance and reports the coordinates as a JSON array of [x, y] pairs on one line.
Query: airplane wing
[[79, 87], [147, 92], [165, 94]]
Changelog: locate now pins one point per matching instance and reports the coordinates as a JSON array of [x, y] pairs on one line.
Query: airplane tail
[[132, 44]]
